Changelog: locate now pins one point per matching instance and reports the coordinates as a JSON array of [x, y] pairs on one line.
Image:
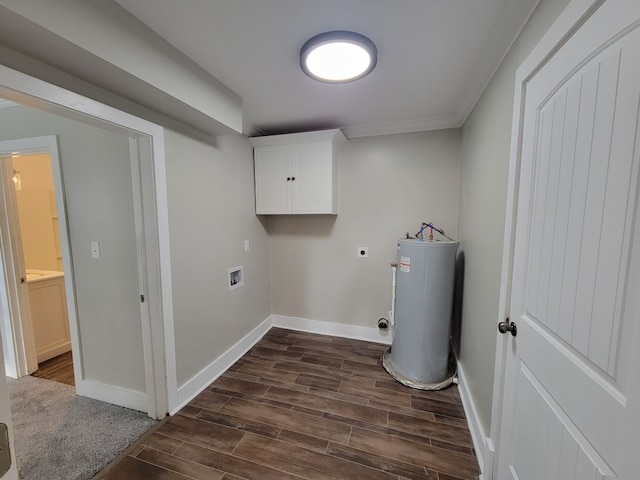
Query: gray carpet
[[59, 435]]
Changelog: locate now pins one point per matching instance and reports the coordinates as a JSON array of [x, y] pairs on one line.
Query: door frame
[[149, 177], [19, 323], [565, 26]]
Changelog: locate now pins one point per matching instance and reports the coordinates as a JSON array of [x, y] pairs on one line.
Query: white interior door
[[572, 388], [16, 315]]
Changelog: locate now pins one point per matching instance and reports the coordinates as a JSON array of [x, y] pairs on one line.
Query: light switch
[[95, 249], [246, 245]]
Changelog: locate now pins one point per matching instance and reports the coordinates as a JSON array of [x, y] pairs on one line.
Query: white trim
[[576, 13], [120, 396], [200, 381], [67, 263], [475, 91], [569, 21], [164, 351], [19, 87], [369, 334], [54, 350], [482, 444], [141, 251]]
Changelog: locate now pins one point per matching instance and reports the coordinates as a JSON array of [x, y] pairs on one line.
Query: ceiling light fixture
[[338, 57]]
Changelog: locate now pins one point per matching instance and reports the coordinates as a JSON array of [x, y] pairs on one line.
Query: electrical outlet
[[363, 252]]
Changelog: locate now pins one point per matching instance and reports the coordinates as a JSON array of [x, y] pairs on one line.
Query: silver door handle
[[507, 326]]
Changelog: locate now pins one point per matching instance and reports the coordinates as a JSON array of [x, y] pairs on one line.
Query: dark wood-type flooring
[[304, 406], [59, 369]]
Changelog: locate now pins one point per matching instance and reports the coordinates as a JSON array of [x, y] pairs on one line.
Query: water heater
[[419, 353]]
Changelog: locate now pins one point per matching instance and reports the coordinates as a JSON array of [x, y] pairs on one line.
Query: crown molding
[[408, 126], [510, 25]]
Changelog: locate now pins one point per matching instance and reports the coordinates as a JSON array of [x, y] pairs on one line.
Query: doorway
[[39, 233], [146, 146], [109, 204]]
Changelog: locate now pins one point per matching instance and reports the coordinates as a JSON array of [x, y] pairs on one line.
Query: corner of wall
[[483, 445], [211, 372]]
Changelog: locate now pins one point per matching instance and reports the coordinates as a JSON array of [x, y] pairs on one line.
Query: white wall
[[486, 140], [97, 178], [211, 214], [37, 213], [102, 43], [388, 186]]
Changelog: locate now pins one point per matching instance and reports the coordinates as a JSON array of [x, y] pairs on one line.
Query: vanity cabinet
[[297, 173], [49, 314]]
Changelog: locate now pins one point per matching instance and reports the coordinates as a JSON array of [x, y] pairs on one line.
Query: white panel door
[[572, 386], [312, 170]]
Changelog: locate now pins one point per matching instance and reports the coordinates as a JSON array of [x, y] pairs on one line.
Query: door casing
[[148, 169]]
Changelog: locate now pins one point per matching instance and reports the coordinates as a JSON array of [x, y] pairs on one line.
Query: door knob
[[507, 326]]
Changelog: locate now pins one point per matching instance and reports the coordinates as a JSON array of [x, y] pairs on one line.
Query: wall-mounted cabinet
[[297, 173]]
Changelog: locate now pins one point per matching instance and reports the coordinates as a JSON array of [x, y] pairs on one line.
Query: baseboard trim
[[53, 350], [200, 381], [120, 396], [370, 334], [485, 449]]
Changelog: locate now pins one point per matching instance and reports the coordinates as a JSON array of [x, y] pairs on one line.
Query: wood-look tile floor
[[305, 406], [59, 369]]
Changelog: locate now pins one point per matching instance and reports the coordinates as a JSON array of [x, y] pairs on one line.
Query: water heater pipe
[[430, 225], [394, 266]]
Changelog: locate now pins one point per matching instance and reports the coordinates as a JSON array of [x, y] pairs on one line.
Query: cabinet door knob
[[288, 179], [293, 178]]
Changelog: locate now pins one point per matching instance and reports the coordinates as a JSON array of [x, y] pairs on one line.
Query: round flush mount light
[[338, 57]]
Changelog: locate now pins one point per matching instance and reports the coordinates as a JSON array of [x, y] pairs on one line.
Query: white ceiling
[[434, 57]]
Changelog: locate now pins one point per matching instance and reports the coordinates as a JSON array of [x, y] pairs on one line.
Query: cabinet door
[[273, 190], [313, 169]]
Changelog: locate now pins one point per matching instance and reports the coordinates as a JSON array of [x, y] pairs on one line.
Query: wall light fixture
[[17, 180]]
